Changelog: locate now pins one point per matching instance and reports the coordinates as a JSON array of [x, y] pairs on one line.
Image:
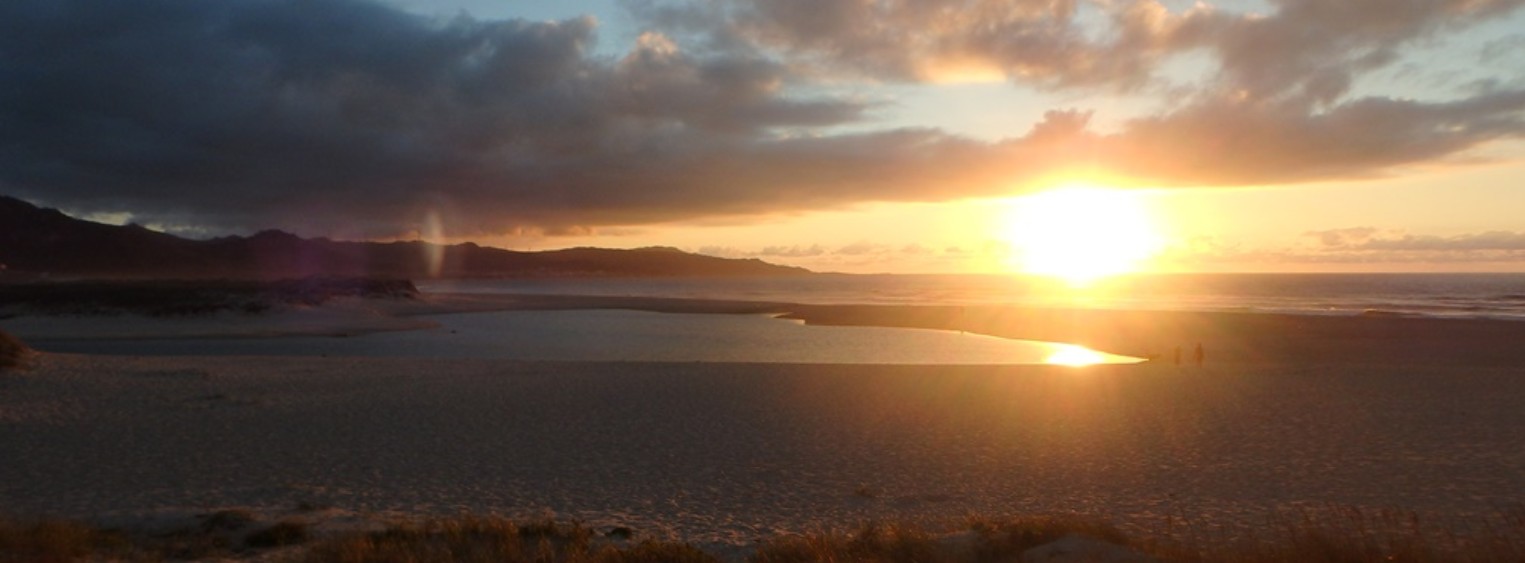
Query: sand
[[1421, 415]]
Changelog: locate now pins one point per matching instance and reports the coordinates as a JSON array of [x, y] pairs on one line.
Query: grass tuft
[[281, 534], [872, 542], [226, 520], [651, 551], [493, 539], [48, 541], [1000, 539], [988, 541], [13, 352]]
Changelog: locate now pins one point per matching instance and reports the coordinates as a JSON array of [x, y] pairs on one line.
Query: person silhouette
[[1178, 355], [1198, 355]]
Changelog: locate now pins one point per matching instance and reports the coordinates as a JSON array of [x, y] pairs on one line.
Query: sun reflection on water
[[1075, 356]]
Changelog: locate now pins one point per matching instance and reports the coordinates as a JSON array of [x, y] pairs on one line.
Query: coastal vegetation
[[13, 352], [1332, 534]]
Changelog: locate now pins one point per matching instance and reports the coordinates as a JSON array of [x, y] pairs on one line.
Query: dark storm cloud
[[336, 115]]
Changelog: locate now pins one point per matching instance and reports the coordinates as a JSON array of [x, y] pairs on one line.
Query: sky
[[904, 136]]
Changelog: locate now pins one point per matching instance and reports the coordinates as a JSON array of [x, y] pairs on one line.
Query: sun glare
[[1074, 356], [1081, 234]]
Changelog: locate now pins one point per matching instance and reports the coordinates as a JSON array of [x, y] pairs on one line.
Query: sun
[[1081, 233]]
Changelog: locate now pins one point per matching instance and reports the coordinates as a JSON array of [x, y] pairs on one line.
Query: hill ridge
[[42, 241]]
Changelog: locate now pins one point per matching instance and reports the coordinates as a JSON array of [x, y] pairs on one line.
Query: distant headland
[[37, 242]]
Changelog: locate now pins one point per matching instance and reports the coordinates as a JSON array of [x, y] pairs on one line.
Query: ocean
[[1494, 296]]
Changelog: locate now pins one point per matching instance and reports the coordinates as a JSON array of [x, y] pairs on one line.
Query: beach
[[1286, 413]]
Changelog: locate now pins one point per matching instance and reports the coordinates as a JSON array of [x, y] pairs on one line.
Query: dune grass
[[1335, 533], [490, 539], [50, 541], [1329, 534], [977, 540]]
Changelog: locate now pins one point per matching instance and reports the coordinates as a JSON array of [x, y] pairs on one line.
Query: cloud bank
[[348, 117], [1306, 49], [1362, 246]]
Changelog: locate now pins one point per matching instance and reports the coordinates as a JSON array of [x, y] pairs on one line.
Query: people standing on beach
[[1198, 355]]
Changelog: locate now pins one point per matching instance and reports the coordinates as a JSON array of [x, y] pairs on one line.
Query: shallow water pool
[[620, 335]]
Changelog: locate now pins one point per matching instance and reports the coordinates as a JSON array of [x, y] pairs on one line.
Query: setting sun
[[1081, 233]]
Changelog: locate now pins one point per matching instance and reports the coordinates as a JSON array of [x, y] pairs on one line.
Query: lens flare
[[434, 234]]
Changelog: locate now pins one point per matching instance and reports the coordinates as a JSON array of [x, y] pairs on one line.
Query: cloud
[[1358, 239], [1480, 242], [915, 249], [1505, 50], [1311, 50], [862, 248], [352, 118], [795, 251], [341, 114], [1273, 106], [1361, 245], [1342, 237], [1039, 41], [723, 252], [876, 257], [1307, 49], [1242, 142]]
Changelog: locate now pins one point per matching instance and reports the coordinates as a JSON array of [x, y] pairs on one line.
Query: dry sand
[[1287, 412]]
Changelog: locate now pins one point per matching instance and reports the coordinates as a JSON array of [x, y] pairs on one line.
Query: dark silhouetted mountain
[[39, 240]]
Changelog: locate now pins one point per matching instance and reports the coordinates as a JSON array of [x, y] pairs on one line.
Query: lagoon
[[623, 335]]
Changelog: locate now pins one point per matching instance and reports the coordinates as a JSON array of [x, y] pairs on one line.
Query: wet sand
[[1287, 412], [1228, 338]]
